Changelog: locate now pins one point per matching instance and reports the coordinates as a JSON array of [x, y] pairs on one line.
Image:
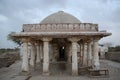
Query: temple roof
[[60, 17], [60, 34], [61, 25]]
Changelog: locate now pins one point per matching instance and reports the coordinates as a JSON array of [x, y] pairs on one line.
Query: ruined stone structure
[[61, 37]]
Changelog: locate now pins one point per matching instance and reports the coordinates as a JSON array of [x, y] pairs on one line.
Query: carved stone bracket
[[74, 39], [46, 39]]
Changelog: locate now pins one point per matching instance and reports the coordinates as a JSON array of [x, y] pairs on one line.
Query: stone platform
[[13, 73]]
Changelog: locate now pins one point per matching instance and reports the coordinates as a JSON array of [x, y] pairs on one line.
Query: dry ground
[[13, 73]]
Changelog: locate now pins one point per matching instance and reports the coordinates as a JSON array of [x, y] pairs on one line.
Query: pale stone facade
[[61, 38], [103, 50]]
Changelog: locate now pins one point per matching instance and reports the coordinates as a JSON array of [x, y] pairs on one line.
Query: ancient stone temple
[[60, 38]]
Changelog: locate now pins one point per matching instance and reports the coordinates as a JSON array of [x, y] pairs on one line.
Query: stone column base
[[46, 73], [74, 74]]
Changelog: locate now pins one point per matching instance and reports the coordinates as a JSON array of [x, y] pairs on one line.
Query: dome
[[60, 17]]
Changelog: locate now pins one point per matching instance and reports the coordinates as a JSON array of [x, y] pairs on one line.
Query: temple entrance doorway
[[62, 53]]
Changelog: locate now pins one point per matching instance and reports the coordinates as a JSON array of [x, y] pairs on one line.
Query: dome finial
[[60, 11]]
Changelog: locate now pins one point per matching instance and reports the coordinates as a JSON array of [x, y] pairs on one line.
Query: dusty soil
[[114, 56], [14, 73]]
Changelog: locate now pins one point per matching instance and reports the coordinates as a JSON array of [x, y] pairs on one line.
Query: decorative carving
[[60, 27], [49, 27], [70, 26], [65, 26], [81, 26]]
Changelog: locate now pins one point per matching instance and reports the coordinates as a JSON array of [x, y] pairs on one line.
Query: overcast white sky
[[14, 13]]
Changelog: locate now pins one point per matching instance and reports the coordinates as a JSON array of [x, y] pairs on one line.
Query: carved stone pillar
[[96, 63], [38, 52], [41, 53], [33, 53], [84, 55], [89, 54], [25, 66], [46, 55], [74, 55], [81, 53]]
